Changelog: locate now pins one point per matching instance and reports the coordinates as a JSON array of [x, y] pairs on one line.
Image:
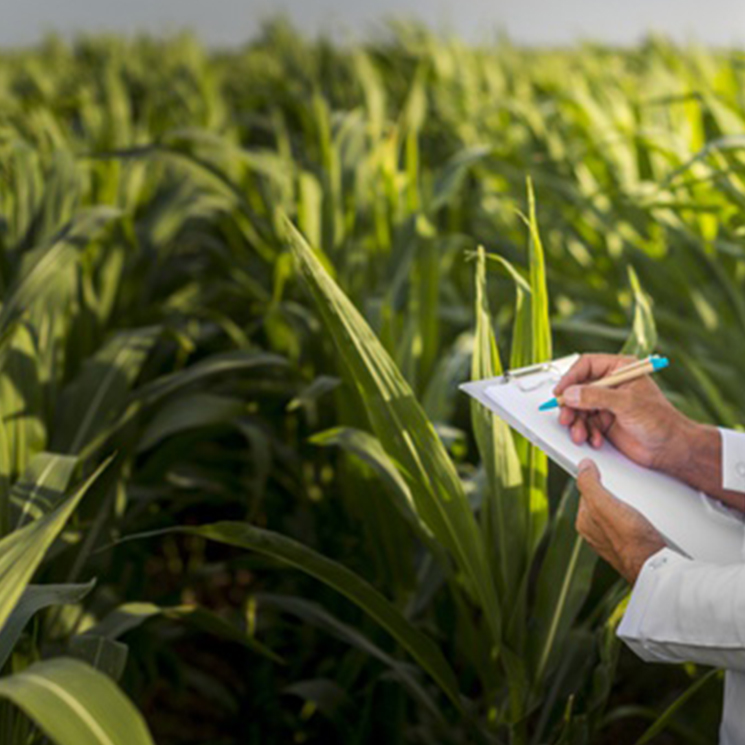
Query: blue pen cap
[[659, 363]]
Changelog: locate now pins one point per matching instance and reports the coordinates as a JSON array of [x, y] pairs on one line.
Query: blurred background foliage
[[184, 238]]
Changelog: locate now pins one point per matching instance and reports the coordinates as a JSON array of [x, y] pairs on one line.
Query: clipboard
[[694, 524]]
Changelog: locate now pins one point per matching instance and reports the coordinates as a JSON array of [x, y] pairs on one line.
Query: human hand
[[635, 417], [616, 532]]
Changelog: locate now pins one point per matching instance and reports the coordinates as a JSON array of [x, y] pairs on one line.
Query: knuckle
[[582, 365]]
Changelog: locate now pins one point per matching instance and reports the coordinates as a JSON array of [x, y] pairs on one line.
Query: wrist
[[696, 456], [688, 440], [644, 551]]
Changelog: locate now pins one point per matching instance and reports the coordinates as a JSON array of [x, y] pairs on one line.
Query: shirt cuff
[[630, 630], [733, 459]]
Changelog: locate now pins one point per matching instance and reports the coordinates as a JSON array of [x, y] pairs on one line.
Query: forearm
[[698, 462]]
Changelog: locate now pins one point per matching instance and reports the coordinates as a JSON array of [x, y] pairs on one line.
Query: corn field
[[241, 498]]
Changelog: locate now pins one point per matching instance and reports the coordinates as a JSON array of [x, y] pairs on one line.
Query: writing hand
[[635, 417]]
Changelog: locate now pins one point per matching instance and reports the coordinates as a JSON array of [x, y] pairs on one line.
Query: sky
[[230, 22]]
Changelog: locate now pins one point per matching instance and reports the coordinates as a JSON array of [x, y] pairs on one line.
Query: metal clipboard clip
[[521, 375]]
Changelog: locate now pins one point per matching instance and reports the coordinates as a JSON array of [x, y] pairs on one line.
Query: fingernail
[[584, 465], [571, 395]]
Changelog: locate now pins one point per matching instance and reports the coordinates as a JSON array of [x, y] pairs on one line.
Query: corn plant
[[165, 216]]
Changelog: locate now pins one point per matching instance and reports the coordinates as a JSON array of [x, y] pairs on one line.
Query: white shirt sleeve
[[733, 459], [682, 610]]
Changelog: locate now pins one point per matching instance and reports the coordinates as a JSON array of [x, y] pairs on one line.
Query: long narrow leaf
[[73, 704], [404, 430], [502, 513], [349, 584], [22, 551], [34, 599]]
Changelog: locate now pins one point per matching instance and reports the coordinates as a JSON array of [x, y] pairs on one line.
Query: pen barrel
[[624, 376], [637, 370]]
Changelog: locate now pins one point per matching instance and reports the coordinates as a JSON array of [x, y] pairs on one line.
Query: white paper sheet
[[700, 527]]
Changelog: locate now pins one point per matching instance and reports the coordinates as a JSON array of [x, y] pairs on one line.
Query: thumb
[[588, 481], [592, 397], [588, 473]]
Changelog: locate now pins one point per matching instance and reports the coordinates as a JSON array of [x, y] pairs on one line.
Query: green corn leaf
[[307, 399], [349, 584], [34, 599], [151, 393], [532, 344], [663, 721], [44, 266], [73, 704], [426, 286], [404, 431], [643, 338], [41, 487], [22, 400], [562, 586], [22, 551], [132, 615], [442, 395], [314, 614], [105, 655], [5, 478], [541, 351], [7, 444], [62, 186], [454, 174], [217, 364], [329, 698], [502, 517], [188, 412], [101, 389], [509, 268], [368, 449], [374, 91], [388, 536], [541, 326]]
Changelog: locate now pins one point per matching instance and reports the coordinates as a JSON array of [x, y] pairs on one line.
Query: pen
[[622, 375]]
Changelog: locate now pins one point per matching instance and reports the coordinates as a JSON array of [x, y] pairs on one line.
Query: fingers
[[584, 428], [578, 430], [615, 400], [567, 416], [594, 431], [605, 421], [590, 367]]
